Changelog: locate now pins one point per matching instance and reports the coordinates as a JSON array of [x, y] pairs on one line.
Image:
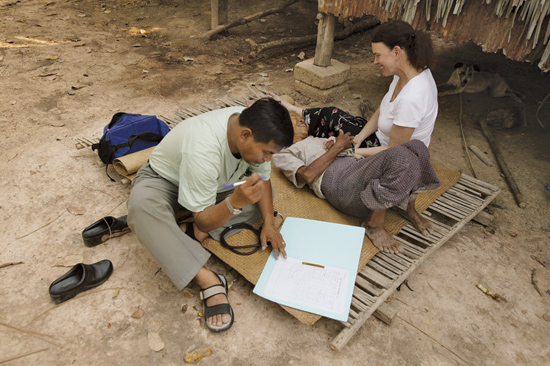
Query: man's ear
[[246, 133]]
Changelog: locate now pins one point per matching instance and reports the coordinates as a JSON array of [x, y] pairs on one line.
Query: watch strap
[[232, 210]]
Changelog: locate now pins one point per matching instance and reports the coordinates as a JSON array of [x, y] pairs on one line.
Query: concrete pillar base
[[321, 82], [322, 95]]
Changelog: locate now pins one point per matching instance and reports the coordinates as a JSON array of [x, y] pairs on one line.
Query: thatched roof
[[521, 28]]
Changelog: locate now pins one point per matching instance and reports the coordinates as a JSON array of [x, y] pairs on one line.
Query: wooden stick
[[9, 264], [25, 331], [23, 355], [435, 340], [502, 163], [477, 152], [538, 110], [311, 39], [208, 35], [535, 281], [464, 138]]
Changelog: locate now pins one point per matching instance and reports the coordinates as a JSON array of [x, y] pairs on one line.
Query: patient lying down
[[357, 186]]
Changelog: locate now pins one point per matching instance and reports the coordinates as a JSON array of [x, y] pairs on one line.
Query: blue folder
[[323, 244]]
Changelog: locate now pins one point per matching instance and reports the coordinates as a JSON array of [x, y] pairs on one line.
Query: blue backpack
[[129, 133]]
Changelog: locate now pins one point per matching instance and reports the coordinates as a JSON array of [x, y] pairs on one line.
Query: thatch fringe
[[533, 13]]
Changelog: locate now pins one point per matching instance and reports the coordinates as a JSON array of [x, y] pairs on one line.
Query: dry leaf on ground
[[155, 342], [197, 354], [76, 210], [138, 314]]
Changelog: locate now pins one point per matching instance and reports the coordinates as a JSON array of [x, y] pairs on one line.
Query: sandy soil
[[67, 66]]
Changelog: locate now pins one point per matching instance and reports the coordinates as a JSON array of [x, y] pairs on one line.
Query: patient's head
[[300, 127]]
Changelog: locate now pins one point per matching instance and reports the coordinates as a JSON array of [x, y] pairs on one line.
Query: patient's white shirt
[[415, 106]]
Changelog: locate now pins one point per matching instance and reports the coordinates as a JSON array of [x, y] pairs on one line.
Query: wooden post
[[385, 313], [325, 39], [219, 12], [503, 166], [220, 28]]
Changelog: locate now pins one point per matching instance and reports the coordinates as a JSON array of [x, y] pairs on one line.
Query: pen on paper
[[231, 185], [313, 265]]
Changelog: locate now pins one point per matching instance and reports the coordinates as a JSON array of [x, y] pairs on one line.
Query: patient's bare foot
[[199, 235], [375, 231], [383, 240], [422, 224]]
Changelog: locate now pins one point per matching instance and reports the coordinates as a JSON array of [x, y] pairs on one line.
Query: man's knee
[[136, 209], [141, 207]]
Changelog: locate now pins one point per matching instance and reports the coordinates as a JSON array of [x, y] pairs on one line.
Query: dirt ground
[[67, 66]]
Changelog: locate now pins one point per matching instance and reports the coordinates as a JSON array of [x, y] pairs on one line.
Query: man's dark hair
[[269, 121]]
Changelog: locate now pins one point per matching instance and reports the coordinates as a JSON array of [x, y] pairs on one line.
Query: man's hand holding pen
[[248, 192]]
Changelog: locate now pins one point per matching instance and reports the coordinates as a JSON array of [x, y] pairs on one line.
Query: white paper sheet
[[313, 289], [308, 284]]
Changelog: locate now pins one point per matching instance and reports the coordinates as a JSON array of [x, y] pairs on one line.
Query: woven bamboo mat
[[293, 202]]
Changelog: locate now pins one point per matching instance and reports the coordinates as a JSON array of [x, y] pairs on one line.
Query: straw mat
[[128, 165], [293, 202]]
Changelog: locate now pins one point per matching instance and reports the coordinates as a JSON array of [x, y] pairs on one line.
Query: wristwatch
[[234, 211]]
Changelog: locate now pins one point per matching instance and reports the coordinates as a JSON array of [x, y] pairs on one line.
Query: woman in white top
[[409, 108]]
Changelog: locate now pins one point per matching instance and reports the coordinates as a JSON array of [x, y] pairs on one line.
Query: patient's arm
[[330, 141], [307, 174], [284, 103]]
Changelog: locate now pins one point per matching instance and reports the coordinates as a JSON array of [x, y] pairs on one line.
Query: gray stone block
[[321, 95], [322, 77]]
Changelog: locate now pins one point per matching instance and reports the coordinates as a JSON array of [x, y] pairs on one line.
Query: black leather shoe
[[104, 229], [80, 278]]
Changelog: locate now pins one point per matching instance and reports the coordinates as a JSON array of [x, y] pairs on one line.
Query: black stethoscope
[[246, 249]]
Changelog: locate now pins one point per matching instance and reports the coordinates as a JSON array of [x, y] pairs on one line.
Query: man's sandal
[[209, 311]]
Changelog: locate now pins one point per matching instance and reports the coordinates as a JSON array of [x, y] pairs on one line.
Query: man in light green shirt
[[187, 170]]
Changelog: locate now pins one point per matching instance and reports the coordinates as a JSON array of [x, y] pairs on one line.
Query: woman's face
[[300, 127], [385, 57]]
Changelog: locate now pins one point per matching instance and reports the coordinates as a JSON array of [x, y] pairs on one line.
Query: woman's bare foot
[[199, 235], [422, 224], [204, 279], [375, 231]]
